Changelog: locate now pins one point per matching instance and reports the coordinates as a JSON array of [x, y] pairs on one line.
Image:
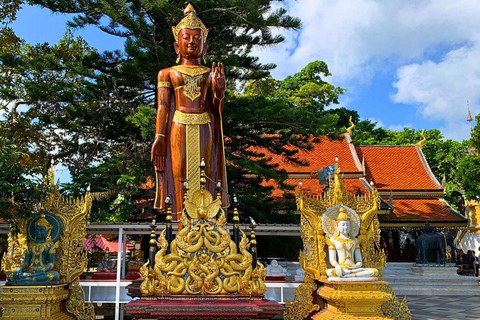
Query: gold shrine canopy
[[410, 192]]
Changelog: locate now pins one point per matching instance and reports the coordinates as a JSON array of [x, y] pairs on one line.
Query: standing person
[[475, 263], [189, 123]]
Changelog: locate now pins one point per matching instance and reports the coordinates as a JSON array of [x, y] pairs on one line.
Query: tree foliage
[[94, 111], [469, 166]]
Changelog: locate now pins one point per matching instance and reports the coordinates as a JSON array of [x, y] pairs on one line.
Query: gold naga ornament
[[203, 259], [314, 259], [46, 302]]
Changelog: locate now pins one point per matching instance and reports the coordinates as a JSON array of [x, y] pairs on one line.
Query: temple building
[[411, 194]]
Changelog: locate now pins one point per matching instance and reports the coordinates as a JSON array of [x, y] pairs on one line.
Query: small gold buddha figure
[[345, 255], [37, 268]]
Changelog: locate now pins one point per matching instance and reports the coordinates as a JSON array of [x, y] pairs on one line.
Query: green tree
[[106, 139], [469, 166]]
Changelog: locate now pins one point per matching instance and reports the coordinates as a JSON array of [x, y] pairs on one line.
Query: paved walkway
[[444, 307]]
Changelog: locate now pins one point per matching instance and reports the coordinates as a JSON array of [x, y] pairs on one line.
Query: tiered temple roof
[[411, 194]]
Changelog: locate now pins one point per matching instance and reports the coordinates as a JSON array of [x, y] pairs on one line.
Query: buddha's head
[[190, 35], [343, 222], [43, 229]]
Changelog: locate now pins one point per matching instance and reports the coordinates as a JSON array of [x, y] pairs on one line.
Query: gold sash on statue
[[192, 121]]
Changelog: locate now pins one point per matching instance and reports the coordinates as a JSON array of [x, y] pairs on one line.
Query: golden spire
[[421, 142], [190, 21], [470, 118], [350, 129]]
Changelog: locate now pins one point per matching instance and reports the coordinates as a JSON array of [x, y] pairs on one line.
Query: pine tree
[[101, 110]]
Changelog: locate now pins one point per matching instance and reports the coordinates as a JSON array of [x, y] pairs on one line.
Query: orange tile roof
[[421, 210], [397, 168], [313, 187], [323, 154]]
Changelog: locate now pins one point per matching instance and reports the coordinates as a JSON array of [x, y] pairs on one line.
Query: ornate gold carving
[[203, 259], [348, 300], [191, 118], [191, 71], [193, 155], [38, 302], [76, 303], [190, 21], [192, 75], [395, 309], [17, 248], [312, 208], [164, 84], [303, 305]]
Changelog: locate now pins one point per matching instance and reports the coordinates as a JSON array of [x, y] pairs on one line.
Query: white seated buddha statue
[[275, 270], [345, 255]]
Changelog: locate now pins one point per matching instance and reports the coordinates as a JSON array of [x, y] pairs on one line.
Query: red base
[[3, 277], [203, 307], [274, 278], [104, 276], [132, 274]]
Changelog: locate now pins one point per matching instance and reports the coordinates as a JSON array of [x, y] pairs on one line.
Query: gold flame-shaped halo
[[329, 222]]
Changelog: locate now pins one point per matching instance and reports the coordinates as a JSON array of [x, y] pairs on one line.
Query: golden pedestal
[[353, 300], [35, 302]]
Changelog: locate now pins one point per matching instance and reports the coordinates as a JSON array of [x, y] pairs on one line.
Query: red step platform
[[205, 307]]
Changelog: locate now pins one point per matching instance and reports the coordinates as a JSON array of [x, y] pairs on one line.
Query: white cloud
[[379, 122], [362, 38], [440, 90], [399, 127]]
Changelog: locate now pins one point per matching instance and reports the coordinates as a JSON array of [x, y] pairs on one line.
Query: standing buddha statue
[[189, 123]]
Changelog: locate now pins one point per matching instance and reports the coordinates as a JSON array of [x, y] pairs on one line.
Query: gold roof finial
[[421, 142], [350, 129], [469, 117], [190, 21]]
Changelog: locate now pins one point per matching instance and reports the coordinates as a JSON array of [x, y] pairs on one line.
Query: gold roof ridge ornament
[[421, 142], [190, 21], [352, 126]]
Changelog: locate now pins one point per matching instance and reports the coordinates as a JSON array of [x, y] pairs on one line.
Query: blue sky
[[405, 63]]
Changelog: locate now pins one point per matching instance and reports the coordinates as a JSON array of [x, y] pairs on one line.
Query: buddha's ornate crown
[[343, 216], [190, 21], [44, 223]]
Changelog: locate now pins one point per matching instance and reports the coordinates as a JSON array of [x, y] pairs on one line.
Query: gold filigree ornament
[[190, 21], [17, 248], [192, 76], [395, 309], [303, 304]]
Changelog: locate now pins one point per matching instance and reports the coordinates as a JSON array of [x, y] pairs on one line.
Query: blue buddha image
[[37, 268]]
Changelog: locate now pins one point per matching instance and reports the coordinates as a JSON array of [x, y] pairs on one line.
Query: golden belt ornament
[[191, 118]]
